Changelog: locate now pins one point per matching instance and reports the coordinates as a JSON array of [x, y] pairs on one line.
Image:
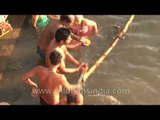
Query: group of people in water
[[57, 34]]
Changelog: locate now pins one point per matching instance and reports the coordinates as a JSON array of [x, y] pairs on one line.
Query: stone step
[[8, 41]]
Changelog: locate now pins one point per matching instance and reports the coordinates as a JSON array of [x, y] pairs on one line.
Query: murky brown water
[[129, 75]]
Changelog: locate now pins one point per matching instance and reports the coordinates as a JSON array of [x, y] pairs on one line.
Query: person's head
[[63, 35], [74, 98], [67, 20], [55, 57], [78, 19]]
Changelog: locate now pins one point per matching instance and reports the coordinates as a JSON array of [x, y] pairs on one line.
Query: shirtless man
[[49, 33], [84, 27], [50, 81], [62, 38]]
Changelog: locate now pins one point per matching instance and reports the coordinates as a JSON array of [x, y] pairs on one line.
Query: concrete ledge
[[8, 41]]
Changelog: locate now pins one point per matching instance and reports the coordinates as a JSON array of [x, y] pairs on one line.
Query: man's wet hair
[[62, 34], [55, 57], [65, 18], [71, 98]]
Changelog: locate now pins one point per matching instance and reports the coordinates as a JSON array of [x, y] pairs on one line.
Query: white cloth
[[3, 18]]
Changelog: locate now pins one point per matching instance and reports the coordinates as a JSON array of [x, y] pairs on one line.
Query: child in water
[[84, 27]]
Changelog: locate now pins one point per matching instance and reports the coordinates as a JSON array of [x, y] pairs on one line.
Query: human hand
[[83, 67], [82, 40], [85, 42]]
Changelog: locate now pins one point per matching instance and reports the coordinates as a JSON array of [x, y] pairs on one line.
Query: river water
[[129, 75]]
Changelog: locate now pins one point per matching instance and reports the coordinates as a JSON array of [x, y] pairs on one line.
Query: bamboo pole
[[84, 76], [4, 33]]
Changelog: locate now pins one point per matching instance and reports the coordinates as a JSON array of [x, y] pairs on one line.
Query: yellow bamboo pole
[[4, 33], [97, 63]]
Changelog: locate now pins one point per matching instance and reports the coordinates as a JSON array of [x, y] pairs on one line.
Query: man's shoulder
[[40, 67], [64, 47], [60, 49], [61, 76], [58, 24]]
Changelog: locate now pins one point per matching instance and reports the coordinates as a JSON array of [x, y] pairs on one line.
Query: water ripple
[[145, 22], [116, 17], [140, 35], [141, 67], [151, 48]]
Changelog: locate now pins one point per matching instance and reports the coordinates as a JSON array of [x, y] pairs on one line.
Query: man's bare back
[[48, 34], [50, 81], [50, 85]]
